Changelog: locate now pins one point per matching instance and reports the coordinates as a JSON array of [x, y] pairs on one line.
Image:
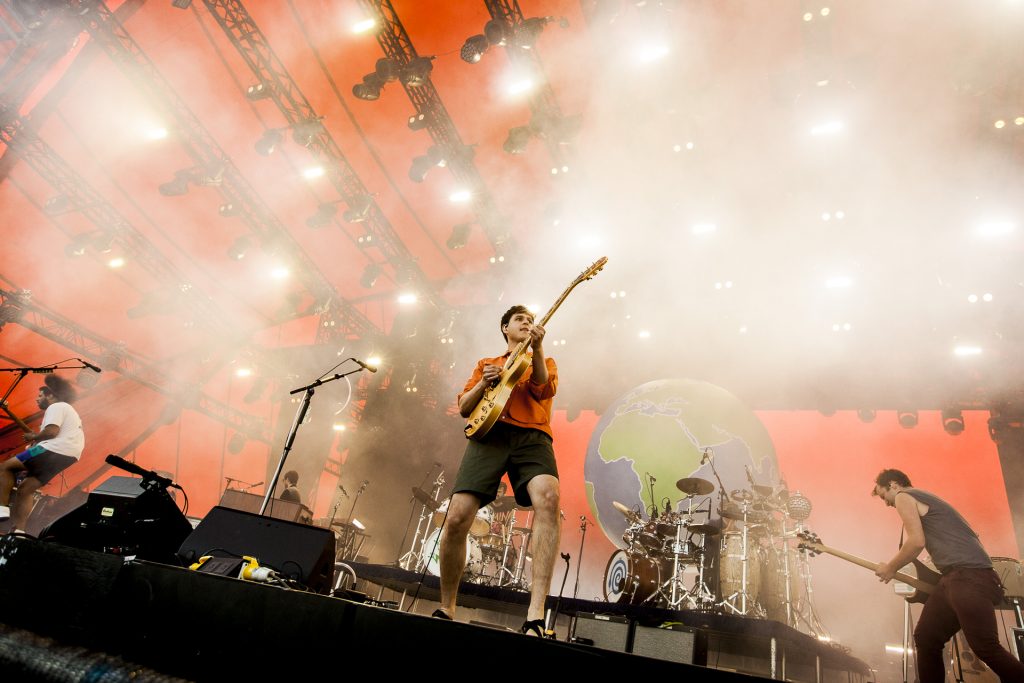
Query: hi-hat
[[741, 496], [695, 486], [424, 497], [626, 512]]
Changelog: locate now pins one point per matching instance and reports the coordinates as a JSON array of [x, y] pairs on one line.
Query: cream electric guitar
[[488, 410], [924, 583]]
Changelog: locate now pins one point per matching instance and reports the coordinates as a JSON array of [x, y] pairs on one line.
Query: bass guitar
[[492, 403], [924, 582]]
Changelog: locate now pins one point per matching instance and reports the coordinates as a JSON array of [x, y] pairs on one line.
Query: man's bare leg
[[461, 512], [547, 530], [23, 506]]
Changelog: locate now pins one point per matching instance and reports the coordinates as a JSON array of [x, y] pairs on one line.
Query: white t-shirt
[[71, 439]]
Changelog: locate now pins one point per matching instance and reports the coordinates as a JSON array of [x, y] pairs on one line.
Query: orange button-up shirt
[[529, 404]]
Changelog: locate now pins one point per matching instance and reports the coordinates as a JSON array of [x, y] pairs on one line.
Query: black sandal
[[441, 614], [535, 627]]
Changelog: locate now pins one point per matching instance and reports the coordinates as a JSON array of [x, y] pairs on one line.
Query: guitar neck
[[868, 564], [17, 420]]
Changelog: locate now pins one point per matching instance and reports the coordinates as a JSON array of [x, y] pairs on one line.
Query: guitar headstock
[[592, 270], [810, 543]]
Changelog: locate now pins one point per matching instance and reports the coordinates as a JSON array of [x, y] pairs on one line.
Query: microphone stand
[[579, 559], [654, 505], [300, 415]]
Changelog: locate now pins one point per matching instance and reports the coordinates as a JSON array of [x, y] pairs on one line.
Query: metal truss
[[271, 73], [543, 105], [117, 358], [397, 45], [200, 145]]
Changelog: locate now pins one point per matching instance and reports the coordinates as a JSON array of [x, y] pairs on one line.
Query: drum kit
[[497, 546], [748, 552]]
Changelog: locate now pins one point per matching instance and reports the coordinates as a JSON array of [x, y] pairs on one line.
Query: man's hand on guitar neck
[[886, 572]]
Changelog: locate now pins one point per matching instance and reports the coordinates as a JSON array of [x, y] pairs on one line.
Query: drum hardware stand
[[805, 608], [700, 596], [506, 577], [579, 560], [742, 594], [422, 528], [674, 598]]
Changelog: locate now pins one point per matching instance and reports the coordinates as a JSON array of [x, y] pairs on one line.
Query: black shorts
[[523, 453], [48, 465]]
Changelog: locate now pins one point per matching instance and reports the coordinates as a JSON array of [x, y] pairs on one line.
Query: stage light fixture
[[102, 241], [257, 91], [459, 236], [267, 143], [527, 32], [907, 418], [421, 165], [497, 32], [386, 69], [176, 187], [358, 209], [236, 443], [416, 72], [474, 48], [78, 245], [952, 421], [370, 275], [303, 132], [517, 140], [370, 88], [364, 241], [866, 415], [228, 209], [420, 121], [324, 215], [57, 205]]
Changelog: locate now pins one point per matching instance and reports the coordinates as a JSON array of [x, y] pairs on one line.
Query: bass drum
[[630, 579], [773, 583], [730, 571], [431, 552], [481, 525]]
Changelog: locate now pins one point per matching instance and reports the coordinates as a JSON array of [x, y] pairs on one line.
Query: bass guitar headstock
[[810, 543]]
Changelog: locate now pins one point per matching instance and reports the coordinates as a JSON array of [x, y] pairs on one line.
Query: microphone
[[343, 491], [750, 477], [252, 486], [364, 366], [89, 365], [147, 475], [707, 456]]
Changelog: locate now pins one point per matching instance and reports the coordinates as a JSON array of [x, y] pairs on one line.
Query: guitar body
[[926, 574], [490, 407]]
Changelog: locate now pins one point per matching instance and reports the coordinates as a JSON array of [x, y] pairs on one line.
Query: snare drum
[[431, 552], [481, 524], [630, 579]]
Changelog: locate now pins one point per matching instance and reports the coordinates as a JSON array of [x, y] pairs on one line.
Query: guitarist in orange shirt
[[520, 444], [968, 591]]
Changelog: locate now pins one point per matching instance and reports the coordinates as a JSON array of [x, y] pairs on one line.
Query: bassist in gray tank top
[[968, 591]]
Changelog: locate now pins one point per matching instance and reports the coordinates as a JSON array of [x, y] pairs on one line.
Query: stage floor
[[176, 622]]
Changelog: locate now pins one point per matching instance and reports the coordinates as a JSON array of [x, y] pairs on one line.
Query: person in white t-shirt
[[57, 446]]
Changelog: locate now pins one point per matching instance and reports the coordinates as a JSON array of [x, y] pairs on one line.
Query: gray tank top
[[948, 538]]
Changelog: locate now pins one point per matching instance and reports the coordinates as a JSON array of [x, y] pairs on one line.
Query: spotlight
[[517, 140], [303, 132], [57, 205], [176, 187], [526, 33], [474, 48], [238, 248], [421, 165], [386, 69], [369, 89], [370, 275], [228, 209], [459, 236], [267, 143], [236, 443], [496, 31], [420, 121], [358, 209], [323, 216], [416, 72], [257, 91], [907, 418], [364, 241], [866, 415], [952, 421], [77, 246]]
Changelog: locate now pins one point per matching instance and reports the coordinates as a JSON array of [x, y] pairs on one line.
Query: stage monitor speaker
[[298, 551], [1018, 638], [675, 643], [606, 631], [122, 517]]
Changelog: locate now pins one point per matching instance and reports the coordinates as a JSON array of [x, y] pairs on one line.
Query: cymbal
[[506, 503], [741, 496], [424, 497], [706, 529], [763, 490], [626, 512], [695, 486]]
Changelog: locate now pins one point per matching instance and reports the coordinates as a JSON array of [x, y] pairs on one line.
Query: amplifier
[[606, 631]]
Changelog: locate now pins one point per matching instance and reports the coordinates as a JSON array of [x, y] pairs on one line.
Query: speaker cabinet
[[1018, 639], [298, 551], [677, 643], [606, 631], [123, 518]]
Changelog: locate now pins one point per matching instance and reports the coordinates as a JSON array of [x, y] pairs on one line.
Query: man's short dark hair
[[886, 477], [292, 476], [59, 388], [508, 316]]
